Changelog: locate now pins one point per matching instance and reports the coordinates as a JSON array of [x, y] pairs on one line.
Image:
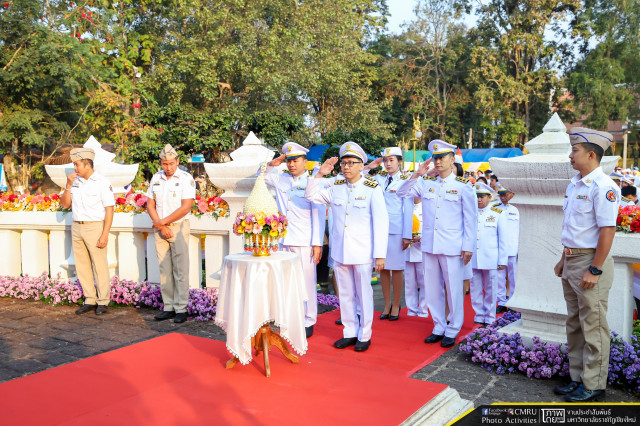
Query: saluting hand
[[327, 167], [277, 161], [375, 163], [422, 170]]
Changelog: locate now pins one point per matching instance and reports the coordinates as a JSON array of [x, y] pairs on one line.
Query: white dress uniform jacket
[[400, 210], [89, 197], [306, 220], [360, 220], [489, 251], [590, 202], [446, 205], [169, 193], [512, 225]]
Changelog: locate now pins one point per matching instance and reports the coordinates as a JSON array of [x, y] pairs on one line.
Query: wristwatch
[[594, 270]]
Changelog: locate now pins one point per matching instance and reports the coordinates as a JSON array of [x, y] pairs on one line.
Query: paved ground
[[35, 336]]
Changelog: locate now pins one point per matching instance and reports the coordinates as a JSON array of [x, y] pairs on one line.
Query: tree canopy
[[201, 74]]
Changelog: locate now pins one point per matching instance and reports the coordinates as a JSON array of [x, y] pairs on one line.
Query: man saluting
[[449, 221], [359, 239]]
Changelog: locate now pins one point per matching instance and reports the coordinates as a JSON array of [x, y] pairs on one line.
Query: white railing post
[[35, 252], [10, 247]]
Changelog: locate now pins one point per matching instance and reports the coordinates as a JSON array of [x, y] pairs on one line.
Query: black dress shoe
[[478, 322], [309, 331], [101, 310], [85, 308], [394, 317], [386, 316], [180, 318], [582, 394], [447, 342], [339, 321], [164, 315], [345, 342], [434, 338], [501, 309], [362, 346], [563, 390]]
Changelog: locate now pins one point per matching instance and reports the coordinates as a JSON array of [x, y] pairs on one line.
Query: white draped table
[[254, 292]]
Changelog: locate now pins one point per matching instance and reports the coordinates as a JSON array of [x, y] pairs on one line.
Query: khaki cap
[[168, 153], [82, 154], [585, 135]]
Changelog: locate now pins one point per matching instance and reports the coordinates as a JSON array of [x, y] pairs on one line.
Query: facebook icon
[[485, 411]]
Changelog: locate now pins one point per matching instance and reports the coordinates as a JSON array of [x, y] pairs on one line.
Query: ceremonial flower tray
[[260, 231]]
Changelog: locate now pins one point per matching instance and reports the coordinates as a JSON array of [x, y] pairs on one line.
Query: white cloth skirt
[[395, 256]]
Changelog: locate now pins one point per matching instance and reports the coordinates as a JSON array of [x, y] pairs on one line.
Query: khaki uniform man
[[590, 213], [91, 198], [171, 193]]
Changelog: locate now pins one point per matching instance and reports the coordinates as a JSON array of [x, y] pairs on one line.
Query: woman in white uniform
[[400, 222]]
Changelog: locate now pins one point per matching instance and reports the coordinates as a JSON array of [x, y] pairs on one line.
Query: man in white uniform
[[306, 220], [586, 267], [358, 239], [489, 256], [90, 197], [171, 193], [512, 241], [449, 215]]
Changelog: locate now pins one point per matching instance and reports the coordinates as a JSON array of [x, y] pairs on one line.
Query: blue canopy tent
[[481, 155]]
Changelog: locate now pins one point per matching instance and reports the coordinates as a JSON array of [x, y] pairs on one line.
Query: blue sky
[[400, 10]]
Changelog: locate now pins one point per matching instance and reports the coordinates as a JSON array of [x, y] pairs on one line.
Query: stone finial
[[554, 139], [554, 124]]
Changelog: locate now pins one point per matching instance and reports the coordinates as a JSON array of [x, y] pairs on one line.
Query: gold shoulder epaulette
[[370, 183], [496, 204], [461, 179], [626, 200], [369, 177], [429, 177], [383, 173], [340, 182], [286, 171], [495, 209], [404, 177]]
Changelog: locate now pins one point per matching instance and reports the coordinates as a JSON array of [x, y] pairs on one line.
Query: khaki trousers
[[91, 262], [587, 329], [173, 258]]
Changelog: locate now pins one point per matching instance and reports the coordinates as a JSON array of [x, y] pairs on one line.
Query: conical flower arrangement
[[260, 221]]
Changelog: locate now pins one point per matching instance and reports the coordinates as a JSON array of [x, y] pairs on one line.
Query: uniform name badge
[[361, 197]]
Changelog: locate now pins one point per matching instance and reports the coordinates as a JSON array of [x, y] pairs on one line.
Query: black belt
[[82, 222]]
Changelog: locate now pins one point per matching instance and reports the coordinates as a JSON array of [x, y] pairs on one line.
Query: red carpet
[[397, 347], [180, 379]]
